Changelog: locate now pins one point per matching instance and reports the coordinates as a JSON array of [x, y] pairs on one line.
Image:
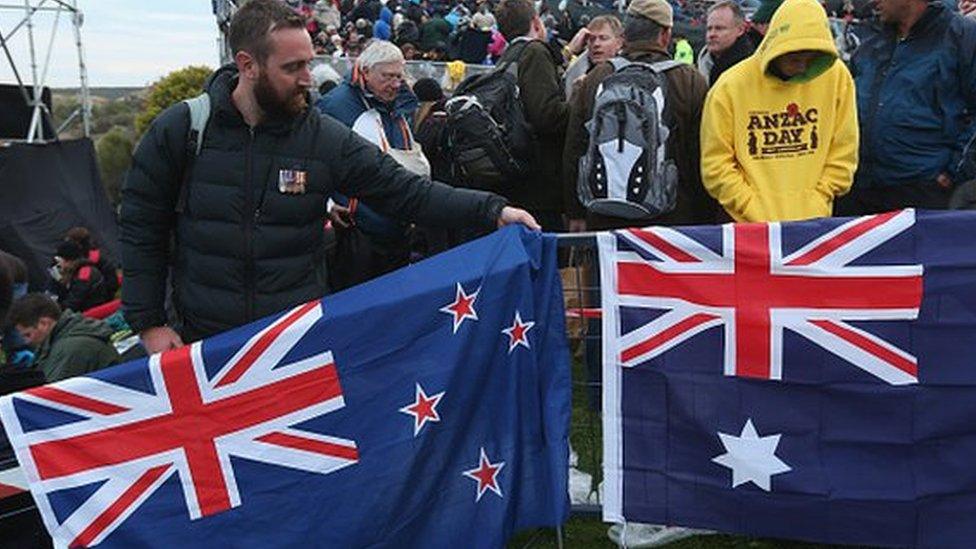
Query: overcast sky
[[126, 42]]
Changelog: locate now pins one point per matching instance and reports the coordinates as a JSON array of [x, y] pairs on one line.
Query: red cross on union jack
[[755, 293], [190, 427]]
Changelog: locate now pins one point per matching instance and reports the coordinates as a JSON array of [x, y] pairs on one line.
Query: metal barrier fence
[[581, 296], [415, 70]]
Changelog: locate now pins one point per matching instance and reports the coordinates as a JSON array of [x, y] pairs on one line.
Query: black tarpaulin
[[45, 189]]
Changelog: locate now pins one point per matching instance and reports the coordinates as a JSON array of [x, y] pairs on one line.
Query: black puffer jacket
[[243, 248], [739, 50]]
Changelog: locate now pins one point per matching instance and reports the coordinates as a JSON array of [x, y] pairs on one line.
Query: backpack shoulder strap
[[660, 67], [199, 115], [199, 110], [513, 62], [665, 66], [620, 63]]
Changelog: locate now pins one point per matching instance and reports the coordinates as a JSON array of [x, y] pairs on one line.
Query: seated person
[[67, 343], [110, 272], [78, 283]]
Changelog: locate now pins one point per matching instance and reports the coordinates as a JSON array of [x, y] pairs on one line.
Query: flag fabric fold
[[429, 407]]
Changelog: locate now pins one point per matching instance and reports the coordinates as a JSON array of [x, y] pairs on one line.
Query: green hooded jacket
[[76, 346], [683, 52]]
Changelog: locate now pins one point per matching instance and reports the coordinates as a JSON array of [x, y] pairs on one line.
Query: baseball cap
[[658, 11]]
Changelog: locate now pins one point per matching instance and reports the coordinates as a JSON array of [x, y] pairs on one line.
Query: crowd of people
[[596, 116], [451, 30], [768, 120], [437, 31], [774, 118]]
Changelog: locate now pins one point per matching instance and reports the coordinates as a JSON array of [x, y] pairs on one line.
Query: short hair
[[737, 13], [428, 90], [638, 29], [612, 21], [69, 250], [80, 236], [379, 52], [514, 18], [252, 25], [31, 308]]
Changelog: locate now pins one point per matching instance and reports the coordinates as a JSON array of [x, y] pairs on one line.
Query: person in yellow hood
[[779, 133]]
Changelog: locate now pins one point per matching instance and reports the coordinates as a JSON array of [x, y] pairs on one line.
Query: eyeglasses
[[390, 76]]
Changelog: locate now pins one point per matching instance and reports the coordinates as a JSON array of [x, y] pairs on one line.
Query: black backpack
[[488, 138]]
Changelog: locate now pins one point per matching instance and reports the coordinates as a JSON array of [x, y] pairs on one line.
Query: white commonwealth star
[[751, 457]]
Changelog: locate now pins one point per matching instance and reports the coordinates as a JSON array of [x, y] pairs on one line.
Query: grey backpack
[[624, 172], [199, 116]]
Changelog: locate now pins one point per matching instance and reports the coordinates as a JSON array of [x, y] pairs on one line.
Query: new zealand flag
[[429, 407], [810, 380]]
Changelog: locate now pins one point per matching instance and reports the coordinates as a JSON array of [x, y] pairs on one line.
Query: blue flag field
[[811, 380], [429, 407]]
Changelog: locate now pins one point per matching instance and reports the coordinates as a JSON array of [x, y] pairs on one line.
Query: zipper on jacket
[[249, 217], [877, 87]]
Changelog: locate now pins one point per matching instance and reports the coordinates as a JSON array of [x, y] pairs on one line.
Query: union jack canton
[[755, 293], [191, 426]]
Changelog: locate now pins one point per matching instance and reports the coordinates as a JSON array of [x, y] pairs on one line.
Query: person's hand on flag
[[160, 338], [511, 215]]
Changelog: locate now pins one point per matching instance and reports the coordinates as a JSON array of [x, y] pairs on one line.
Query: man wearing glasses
[[376, 104]]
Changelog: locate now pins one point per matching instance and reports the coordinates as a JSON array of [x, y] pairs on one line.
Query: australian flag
[[810, 380], [429, 407]]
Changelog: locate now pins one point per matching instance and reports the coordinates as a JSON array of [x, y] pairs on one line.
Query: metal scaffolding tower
[[25, 20], [223, 11]]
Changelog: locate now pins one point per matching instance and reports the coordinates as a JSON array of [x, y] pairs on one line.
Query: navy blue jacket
[[916, 99]]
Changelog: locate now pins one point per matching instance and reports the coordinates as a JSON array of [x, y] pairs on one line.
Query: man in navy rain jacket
[[916, 99], [376, 104]]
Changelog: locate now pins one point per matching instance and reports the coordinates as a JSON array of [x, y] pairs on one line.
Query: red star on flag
[[462, 307], [423, 409], [486, 474], [518, 333]]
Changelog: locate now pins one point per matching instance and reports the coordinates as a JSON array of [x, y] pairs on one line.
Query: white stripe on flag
[[13, 477]]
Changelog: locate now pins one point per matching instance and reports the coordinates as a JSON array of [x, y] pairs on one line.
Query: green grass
[[586, 428]]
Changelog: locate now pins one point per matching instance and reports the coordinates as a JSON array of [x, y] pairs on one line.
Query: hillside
[[113, 119], [110, 94], [110, 107]]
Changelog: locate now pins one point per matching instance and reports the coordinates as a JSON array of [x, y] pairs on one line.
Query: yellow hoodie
[[775, 149]]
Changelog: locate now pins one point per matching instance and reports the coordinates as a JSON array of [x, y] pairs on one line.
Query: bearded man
[[238, 226]]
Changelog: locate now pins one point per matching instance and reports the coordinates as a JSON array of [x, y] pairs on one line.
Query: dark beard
[[272, 105]]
